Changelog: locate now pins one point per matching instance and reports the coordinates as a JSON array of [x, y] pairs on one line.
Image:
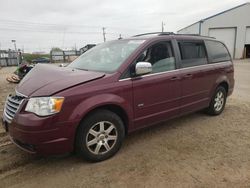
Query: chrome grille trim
[[20, 94], [10, 111], [10, 99], [12, 105]]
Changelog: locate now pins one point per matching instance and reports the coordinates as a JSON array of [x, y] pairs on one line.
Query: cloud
[[39, 25]]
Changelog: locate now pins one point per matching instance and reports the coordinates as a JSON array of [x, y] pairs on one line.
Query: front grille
[[12, 105]]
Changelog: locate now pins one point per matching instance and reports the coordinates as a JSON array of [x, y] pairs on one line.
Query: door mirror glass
[[143, 68]]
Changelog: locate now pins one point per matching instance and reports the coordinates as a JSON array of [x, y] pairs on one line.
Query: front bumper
[[44, 136]]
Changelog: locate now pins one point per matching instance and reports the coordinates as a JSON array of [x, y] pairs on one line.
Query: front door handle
[[188, 76]]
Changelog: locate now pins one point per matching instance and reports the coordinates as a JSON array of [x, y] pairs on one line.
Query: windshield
[[106, 57]]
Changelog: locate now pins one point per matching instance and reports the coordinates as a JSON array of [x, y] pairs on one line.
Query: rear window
[[217, 51], [192, 53]]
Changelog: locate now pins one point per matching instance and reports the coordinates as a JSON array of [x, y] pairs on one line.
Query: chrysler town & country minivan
[[114, 89]]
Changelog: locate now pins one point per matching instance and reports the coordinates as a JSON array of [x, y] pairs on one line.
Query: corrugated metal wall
[[8, 58]]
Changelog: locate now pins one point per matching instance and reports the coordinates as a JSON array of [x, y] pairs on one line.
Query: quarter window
[[161, 57], [192, 53], [217, 51]]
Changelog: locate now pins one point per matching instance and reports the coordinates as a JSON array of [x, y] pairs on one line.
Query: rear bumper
[[37, 137]]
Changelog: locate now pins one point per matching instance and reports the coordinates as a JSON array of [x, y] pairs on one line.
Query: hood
[[45, 80]]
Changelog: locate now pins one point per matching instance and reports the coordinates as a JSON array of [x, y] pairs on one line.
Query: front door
[[156, 95]]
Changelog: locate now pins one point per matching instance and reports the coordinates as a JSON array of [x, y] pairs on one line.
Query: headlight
[[44, 106]]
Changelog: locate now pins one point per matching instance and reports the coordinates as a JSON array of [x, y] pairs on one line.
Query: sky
[[39, 25]]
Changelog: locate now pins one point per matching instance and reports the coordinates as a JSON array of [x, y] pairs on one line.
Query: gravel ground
[[192, 151]]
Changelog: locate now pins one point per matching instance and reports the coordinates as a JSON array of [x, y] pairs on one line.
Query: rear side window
[[217, 51], [192, 53]]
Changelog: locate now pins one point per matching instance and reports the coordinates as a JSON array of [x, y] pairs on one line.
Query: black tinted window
[[192, 50], [192, 53], [217, 51]]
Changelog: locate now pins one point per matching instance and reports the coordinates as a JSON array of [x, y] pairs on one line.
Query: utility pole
[[162, 26], [17, 54], [104, 34], [120, 37], [64, 32], [14, 42]]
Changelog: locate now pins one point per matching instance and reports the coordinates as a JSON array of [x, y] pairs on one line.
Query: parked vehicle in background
[[116, 88], [41, 60]]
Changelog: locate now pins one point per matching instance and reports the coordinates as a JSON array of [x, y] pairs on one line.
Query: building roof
[[202, 20]]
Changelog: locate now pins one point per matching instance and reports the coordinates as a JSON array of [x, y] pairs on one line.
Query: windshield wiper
[[81, 69]]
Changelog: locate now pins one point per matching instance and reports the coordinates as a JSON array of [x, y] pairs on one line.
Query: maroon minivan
[[116, 88]]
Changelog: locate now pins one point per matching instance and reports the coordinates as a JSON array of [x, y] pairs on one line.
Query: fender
[[219, 80], [97, 101]]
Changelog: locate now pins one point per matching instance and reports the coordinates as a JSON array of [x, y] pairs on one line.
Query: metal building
[[9, 58], [231, 26]]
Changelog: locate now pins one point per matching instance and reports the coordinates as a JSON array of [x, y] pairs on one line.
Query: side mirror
[[143, 68], [63, 65]]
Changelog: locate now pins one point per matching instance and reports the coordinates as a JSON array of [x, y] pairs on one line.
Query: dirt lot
[[193, 151]]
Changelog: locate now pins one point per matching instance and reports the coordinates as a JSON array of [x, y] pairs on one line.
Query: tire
[[99, 136], [218, 101]]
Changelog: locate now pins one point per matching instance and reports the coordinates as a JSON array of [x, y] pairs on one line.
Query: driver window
[[161, 57]]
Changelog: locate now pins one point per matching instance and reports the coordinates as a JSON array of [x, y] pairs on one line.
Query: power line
[[17, 25], [15, 22], [22, 23], [27, 25], [55, 31], [22, 29]]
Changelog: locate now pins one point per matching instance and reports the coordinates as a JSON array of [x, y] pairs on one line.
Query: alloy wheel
[[101, 137], [219, 101]]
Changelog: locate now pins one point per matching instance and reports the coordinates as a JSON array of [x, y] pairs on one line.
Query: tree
[[56, 49]]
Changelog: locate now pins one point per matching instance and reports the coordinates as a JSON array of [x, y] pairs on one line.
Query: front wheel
[[218, 101], [100, 136]]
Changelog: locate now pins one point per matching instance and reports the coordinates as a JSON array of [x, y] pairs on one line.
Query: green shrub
[[30, 57]]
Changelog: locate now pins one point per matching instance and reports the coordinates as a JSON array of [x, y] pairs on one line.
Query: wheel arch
[[111, 102], [225, 85], [117, 109], [221, 81]]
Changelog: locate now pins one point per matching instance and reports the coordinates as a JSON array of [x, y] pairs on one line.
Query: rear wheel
[[218, 101], [100, 136]]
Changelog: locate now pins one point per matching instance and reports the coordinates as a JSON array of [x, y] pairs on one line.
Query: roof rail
[[171, 33], [153, 33], [198, 35]]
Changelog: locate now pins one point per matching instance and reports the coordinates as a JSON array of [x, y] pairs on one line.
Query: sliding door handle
[[175, 78]]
